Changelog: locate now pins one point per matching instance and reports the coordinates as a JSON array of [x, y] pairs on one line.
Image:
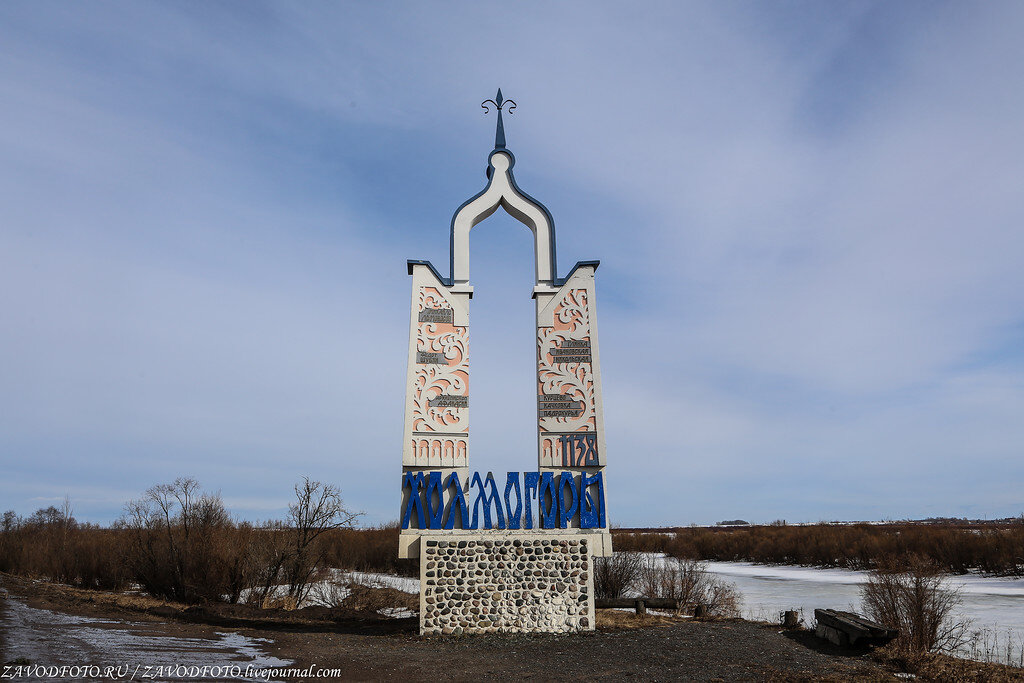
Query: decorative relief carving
[[441, 385], [564, 367], [439, 451]]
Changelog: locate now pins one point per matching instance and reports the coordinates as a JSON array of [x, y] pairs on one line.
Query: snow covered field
[[330, 592]]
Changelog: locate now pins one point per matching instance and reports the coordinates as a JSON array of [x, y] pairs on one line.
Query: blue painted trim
[[579, 264], [446, 281]]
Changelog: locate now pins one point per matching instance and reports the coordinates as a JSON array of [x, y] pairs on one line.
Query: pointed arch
[[501, 190]]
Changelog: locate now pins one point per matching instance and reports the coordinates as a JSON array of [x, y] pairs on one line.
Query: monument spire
[[499, 104]]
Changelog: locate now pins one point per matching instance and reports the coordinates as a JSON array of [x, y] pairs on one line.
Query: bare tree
[[67, 513], [161, 506], [173, 540], [10, 521], [318, 508], [274, 552]]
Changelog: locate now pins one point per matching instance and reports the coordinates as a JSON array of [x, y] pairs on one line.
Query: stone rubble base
[[506, 582]]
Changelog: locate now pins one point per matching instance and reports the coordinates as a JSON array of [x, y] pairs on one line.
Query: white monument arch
[[486, 563]]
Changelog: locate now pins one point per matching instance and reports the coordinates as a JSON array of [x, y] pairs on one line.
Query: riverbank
[[367, 646], [994, 606]]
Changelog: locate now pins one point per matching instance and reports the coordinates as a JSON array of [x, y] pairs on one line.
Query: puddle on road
[[50, 638]]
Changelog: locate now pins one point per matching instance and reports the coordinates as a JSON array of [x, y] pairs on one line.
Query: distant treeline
[[955, 547], [181, 544]]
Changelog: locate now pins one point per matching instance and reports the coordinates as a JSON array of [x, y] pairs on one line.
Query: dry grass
[[374, 599], [134, 602], [362, 595], [285, 602], [616, 619], [941, 667]]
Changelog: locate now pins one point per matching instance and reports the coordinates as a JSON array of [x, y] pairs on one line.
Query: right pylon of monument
[[570, 414]]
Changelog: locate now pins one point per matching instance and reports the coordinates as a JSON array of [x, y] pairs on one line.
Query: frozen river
[[995, 605]]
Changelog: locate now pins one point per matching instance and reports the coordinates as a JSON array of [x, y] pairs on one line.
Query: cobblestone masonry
[[511, 583]]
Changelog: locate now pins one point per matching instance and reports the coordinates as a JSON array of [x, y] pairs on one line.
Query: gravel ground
[[696, 651]]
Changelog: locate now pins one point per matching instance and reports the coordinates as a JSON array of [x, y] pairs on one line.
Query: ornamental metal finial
[[499, 104]]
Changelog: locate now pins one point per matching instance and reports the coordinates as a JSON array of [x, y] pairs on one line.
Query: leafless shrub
[[293, 553], [688, 582], [672, 578], [721, 598], [96, 559], [271, 554], [51, 544], [615, 575], [180, 543], [912, 596], [243, 564]]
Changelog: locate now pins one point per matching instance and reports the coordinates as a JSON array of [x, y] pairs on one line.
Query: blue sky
[[809, 217]]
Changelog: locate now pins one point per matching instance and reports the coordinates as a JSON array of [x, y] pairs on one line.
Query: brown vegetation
[[178, 543], [685, 581], [688, 582], [372, 549], [932, 666], [615, 575], [955, 548], [615, 619], [51, 544]]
